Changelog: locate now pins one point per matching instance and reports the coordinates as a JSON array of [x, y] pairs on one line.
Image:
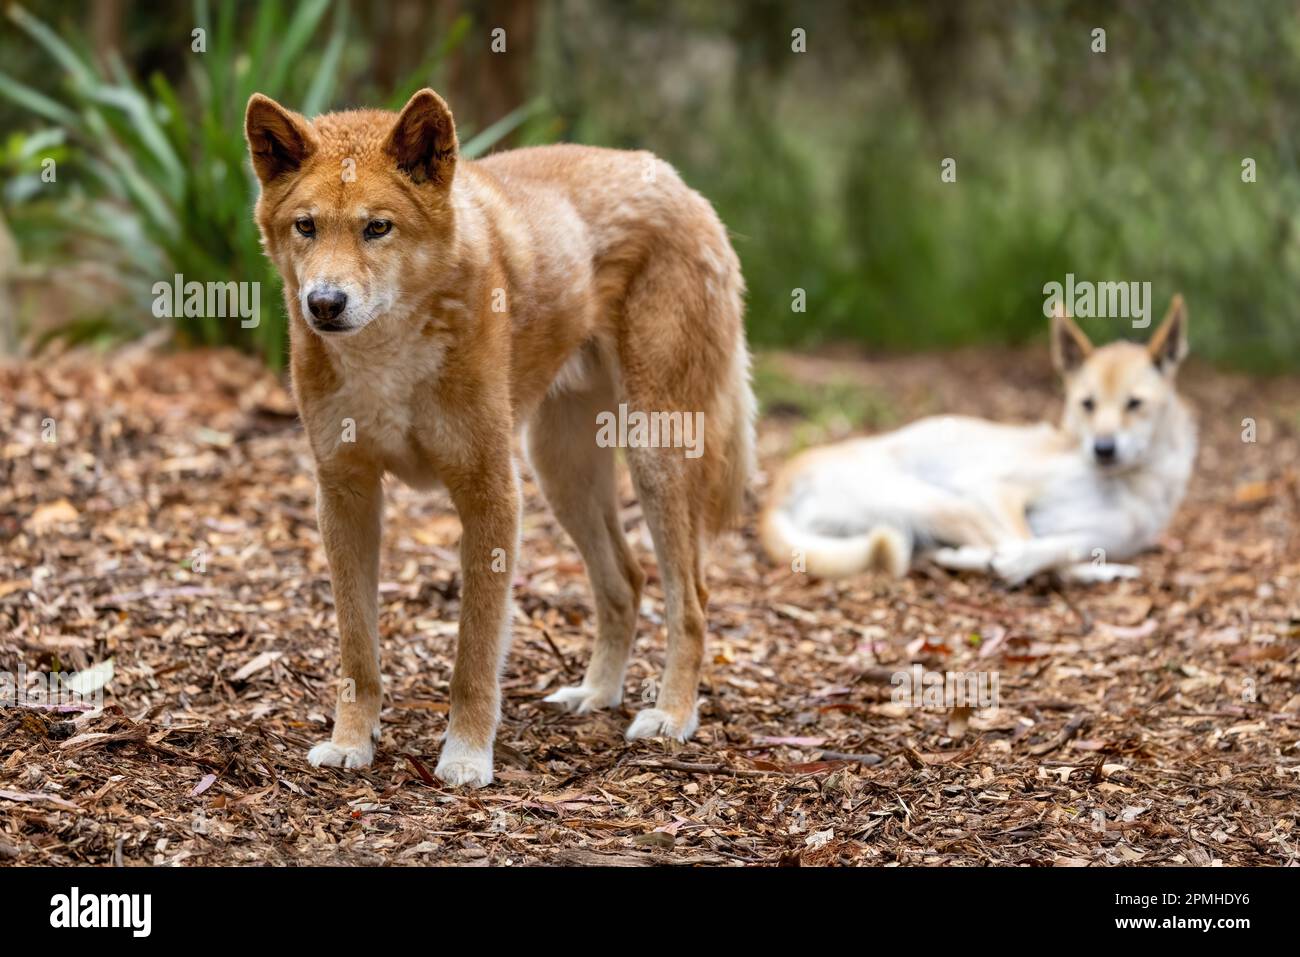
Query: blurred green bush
[[160, 180], [1123, 165]]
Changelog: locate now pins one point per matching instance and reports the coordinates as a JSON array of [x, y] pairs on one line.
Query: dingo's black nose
[[1104, 449], [328, 304]]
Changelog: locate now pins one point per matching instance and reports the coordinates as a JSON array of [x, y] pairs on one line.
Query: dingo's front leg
[[488, 502], [963, 558], [1016, 562], [1091, 573], [350, 507]]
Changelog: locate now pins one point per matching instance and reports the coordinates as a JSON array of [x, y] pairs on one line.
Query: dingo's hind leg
[[577, 477], [681, 350]]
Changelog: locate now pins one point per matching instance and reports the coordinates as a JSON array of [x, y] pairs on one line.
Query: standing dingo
[[1014, 500], [438, 306]]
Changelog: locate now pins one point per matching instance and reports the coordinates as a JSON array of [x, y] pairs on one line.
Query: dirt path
[[170, 526]]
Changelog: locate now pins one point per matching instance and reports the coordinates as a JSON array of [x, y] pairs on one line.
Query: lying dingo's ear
[[1070, 347], [279, 140], [423, 140], [1168, 346]]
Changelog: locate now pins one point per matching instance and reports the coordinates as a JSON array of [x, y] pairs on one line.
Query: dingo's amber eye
[[1133, 404], [1089, 404], [378, 227], [305, 226]]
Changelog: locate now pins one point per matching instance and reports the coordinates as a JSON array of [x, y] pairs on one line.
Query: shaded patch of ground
[[169, 526]]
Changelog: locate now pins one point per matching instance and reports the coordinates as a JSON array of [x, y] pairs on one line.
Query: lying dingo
[[1013, 500]]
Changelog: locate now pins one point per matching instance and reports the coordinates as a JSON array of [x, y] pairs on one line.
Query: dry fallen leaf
[[1253, 493], [89, 680], [263, 660], [48, 517]]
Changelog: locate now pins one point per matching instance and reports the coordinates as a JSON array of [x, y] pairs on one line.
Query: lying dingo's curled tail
[[883, 549]]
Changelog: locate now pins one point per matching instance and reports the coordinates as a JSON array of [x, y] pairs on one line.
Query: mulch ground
[[169, 526]]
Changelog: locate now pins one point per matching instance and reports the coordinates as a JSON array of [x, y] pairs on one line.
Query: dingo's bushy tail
[[729, 480], [883, 549]]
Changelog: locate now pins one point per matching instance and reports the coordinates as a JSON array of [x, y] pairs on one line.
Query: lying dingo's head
[[353, 206], [1117, 396]]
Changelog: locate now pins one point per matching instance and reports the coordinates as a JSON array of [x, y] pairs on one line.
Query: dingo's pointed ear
[[1168, 346], [423, 140], [1069, 345], [279, 140]]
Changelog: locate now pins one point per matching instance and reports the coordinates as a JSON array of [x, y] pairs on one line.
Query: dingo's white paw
[[463, 766], [1087, 573], [581, 699], [328, 754], [966, 558], [654, 723], [1015, 566]]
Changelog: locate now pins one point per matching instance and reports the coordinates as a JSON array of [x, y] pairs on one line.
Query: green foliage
[[162, 186], [1115, 166], [824, 410], [160, 181], [825, 166]]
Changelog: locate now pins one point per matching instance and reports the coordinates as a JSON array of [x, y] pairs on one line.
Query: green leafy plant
[[160, 182]]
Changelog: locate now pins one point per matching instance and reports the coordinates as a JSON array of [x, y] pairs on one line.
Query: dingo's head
[[353, 206], [1116, 397]]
